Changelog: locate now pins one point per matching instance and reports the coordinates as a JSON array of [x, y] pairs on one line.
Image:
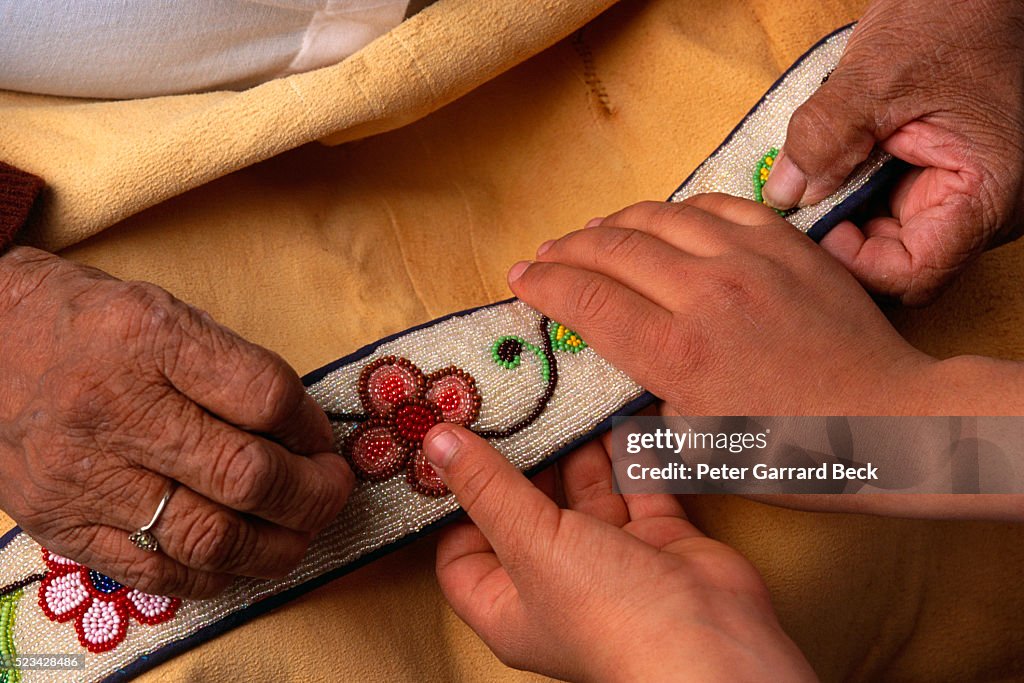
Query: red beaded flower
[[403, 404], [99, 605]]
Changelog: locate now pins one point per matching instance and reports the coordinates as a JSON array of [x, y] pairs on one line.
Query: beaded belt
[[527, 383]]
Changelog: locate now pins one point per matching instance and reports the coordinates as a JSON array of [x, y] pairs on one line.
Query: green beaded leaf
[[564, 339], [507, 351], [8, 605], [761, 172]]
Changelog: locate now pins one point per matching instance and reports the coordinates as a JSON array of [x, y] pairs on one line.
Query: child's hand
[[616, 588], [720, 307]]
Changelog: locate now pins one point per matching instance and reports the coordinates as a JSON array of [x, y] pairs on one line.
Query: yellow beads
[[564, 339]]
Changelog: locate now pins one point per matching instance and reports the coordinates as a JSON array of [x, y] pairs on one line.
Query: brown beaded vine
[[18, 585], [542, 402]]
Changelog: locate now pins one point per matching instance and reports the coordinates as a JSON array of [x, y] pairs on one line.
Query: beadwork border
[[272, 602], [239, 617], [878, 181]]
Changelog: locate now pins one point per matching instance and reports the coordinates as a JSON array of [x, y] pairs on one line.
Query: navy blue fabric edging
[[9, 536], [881, 181]]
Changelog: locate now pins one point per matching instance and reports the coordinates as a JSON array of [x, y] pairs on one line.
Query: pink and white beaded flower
[[99, 605]]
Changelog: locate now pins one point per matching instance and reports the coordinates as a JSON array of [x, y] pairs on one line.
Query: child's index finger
[[510, 511]]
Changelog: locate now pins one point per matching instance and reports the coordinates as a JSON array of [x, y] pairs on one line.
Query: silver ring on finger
[[143, 539]]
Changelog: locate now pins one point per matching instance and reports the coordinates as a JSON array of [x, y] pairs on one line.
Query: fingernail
[[786, 184], [517, 270], [594, 222], [544, 247], [441, 448]]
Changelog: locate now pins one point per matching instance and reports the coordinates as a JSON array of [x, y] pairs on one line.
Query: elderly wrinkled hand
[[111, 390], [614, 588], [939, 85]]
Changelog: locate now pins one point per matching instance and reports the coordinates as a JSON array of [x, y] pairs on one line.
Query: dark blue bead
[[104, 584]]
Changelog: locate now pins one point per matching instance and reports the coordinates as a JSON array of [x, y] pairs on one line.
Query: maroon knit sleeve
[[18, 192]]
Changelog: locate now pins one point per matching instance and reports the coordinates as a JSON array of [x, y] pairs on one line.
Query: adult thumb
[[828, 136]]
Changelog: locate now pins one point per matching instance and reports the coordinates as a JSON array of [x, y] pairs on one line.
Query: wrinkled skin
[[110, 390], [939, 85], [610, 588]]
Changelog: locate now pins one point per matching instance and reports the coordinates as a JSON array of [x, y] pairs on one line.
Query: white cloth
[[144, 48]]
